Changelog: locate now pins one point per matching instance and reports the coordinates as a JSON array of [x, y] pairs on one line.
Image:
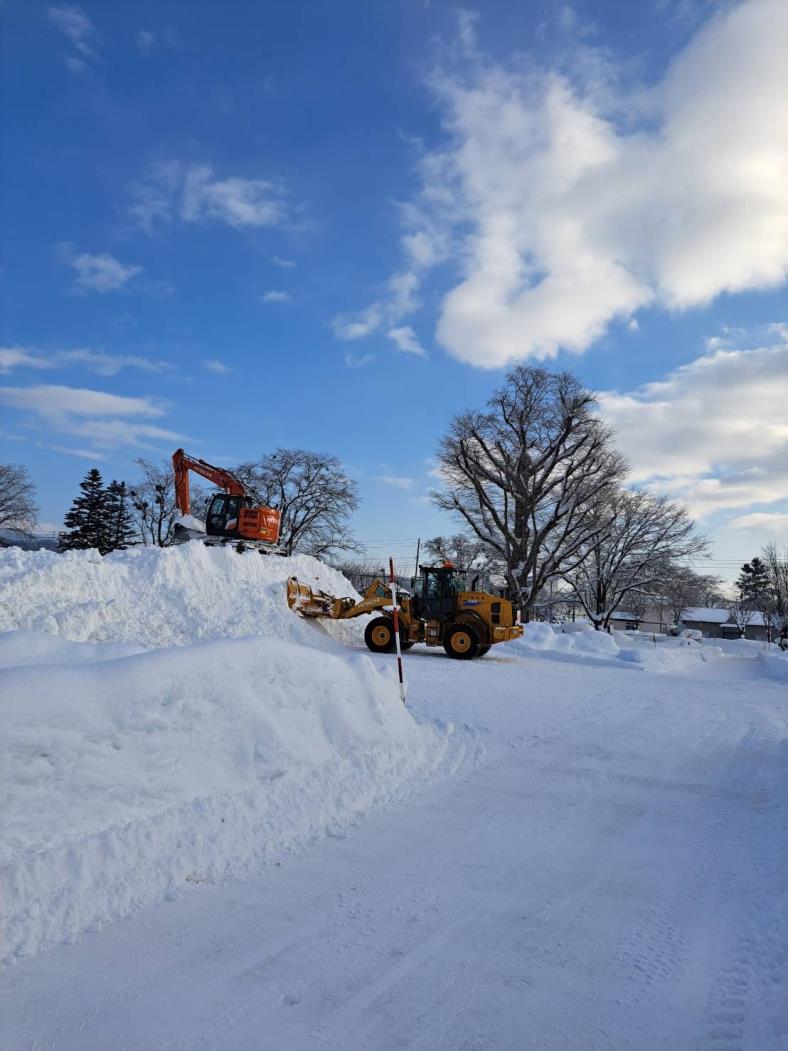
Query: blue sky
[[237, 226]]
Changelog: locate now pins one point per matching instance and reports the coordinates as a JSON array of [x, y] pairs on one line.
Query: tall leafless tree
[[776, 560], [18, 508], [525, 475], [314, 495], [680, 588], [153, 502], [625, 558], [484, 568]]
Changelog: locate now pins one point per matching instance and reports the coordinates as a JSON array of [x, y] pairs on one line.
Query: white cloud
[[17, 357], [107, 420], [97, 273], [357, 326], [401, 299], [145, 41], [76, 26], [54, 400], [235, 200], [713, 433], [568, 200], [395, 481], [214, 365], [67, 450], [775, 522], [358, 361], [273, 296], [286, 264], [194, 194], [405, 340], [94, 360], [108, 364]]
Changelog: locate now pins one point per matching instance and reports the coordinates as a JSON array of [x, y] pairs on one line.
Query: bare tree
[[361, 572], [153, 503], [625, 558], [777, 609], [314, 495], [679, 588], [741, 612], [18, 508], [524, 475]]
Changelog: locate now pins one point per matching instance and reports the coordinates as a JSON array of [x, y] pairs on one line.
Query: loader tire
[[379, 635], [462, 642], [483, 650], [406, 644]]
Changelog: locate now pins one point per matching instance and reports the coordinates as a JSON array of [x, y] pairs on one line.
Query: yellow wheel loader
[[439, 612]]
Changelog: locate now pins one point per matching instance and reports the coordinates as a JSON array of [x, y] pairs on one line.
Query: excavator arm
[[182, 463]]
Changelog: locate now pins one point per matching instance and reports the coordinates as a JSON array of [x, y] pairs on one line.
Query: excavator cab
[[222, 515]]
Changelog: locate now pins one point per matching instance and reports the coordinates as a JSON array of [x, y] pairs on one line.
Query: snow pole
[[393, 582]]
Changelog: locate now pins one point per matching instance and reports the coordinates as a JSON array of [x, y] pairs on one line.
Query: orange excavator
[[231, 518]]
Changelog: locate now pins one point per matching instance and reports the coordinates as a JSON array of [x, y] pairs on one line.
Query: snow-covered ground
[[581, 848], [129, 772]]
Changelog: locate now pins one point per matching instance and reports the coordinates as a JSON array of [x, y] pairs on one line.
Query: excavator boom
[[182, 463]]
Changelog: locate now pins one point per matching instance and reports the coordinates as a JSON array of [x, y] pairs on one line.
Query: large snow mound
[[124, 780], [167, 720], [155, 597]]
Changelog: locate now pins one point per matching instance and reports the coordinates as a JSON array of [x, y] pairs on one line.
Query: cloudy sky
[[237, 226]]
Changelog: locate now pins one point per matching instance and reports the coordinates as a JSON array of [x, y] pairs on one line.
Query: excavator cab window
[[221, 510]]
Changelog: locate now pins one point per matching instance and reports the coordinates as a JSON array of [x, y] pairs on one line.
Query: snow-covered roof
[[621, 615], [706, 614]]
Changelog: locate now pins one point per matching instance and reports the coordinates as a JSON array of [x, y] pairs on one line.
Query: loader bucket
[[302, 599]]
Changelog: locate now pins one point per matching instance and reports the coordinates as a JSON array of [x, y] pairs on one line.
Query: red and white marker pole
[[393, 582]]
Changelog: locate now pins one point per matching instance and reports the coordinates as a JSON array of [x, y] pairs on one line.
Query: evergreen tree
[[120, 524], [86, 522], [753, 583]]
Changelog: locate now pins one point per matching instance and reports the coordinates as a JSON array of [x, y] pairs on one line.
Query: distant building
[[28, 541], [717, 623], [623, 621]]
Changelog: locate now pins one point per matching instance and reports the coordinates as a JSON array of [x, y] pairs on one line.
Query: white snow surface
[[126, 774], [155, 597], [604, 865], [654, 653]]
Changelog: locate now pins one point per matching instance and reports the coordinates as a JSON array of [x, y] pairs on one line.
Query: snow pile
[[141, 751], [155, 597], [125, 779], [581, 642], [775, 663]]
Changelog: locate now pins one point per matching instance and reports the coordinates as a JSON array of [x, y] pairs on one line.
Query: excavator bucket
[[302, 599]]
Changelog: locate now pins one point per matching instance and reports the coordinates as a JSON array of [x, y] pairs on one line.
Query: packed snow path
[[612, 875]]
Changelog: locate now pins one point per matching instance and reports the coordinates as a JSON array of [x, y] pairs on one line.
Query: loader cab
[[222, 515], [436, 591]]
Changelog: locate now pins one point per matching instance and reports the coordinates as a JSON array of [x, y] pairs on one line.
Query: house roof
[[706, 615], [622, 615]]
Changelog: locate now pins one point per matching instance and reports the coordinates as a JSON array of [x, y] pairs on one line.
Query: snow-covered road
[[609, 872]]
